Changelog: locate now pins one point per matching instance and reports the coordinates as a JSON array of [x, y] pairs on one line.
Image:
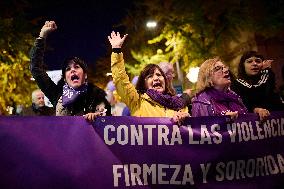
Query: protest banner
[[131, 152]]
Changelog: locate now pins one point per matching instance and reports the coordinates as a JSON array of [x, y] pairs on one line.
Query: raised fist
[[47, 28]]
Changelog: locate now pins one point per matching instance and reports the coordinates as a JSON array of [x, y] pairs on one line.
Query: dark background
[[83, 27]]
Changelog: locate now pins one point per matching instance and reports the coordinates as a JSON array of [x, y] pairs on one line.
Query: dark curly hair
[[77, 61], [148, 70], [241, 68]]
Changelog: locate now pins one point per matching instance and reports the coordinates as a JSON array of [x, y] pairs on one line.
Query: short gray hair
[[165, 66], [34, 94]]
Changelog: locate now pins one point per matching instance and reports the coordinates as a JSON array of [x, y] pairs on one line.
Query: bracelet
[[116, 50]]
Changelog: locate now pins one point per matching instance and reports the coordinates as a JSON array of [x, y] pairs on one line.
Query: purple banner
[[130, 152]]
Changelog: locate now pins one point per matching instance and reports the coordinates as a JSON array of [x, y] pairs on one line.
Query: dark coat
[[258, 92], [86, 103], [41, 111]]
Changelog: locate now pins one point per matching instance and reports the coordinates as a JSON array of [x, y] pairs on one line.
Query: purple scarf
[[226, 101], [172, 102], [70, 95]]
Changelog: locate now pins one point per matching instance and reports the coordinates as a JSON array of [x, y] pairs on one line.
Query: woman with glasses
[[73, 95], [256, 85], [213, 95], [152, 96]]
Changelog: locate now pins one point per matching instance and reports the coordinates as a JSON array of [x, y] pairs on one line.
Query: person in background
[[73, 95], [255, 84], [117, 107], [169, 71], [152, 96], [213, 95], [38, 107]]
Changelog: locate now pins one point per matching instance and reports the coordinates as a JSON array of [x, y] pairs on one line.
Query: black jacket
[[40, 111], [258, 92], [86, 103]]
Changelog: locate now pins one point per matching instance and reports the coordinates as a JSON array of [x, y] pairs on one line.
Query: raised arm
[[116, 40], [37, 65], [125, 89]]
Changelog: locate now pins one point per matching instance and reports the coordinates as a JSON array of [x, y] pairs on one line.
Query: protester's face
[[74, 75], [155, 81], [170, 73], [39, 99], [220, 76], [253, 66]]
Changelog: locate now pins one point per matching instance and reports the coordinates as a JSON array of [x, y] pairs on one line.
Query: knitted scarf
[[172, 102]]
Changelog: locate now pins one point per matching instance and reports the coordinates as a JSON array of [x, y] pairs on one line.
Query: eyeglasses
[[251, 60], [219, 68]]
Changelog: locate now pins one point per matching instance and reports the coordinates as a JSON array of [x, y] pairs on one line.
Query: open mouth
[[157, 85], [74, 78], [227, 77], [255, 69]]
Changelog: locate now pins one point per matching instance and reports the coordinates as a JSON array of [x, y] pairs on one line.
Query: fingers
[[50, 24], [113, 35], [48, 27], [116, 35], [115, 39], [124, 37], [179, 117], [267, 63], [263, 114], [234, 115], [109, 38], [91, 116], [54, 25]]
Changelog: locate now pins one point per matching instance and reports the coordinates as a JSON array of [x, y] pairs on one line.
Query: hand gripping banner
[[131, 152]]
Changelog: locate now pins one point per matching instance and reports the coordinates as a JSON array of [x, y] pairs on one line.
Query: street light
[[193, 74], [151, 24]]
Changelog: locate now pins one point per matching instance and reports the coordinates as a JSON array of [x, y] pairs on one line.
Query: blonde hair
[[205, 74]]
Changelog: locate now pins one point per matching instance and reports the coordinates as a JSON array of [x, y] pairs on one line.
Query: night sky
[[83, 27]]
